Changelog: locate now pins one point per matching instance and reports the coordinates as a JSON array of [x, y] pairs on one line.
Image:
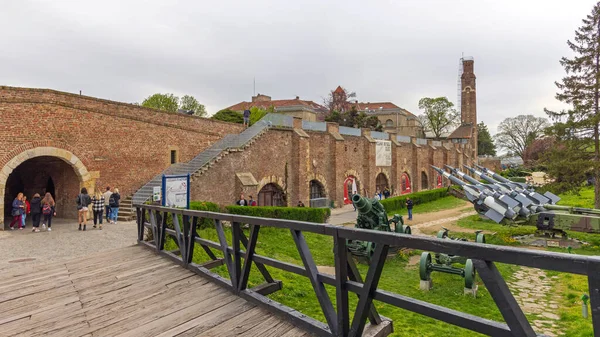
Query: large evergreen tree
[[576, 129], [485, 144]]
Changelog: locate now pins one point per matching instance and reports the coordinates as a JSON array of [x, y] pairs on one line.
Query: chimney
[[297, 97]]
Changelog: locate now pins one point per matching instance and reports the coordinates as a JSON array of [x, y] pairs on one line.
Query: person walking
[[26, 210], [409, 207], [17, 211], [48, 210], [83, 201], [247, 117], [98, 208], [36, 211], [113, 202], [107, 195]]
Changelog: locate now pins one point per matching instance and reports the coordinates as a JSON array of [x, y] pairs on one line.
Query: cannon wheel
[[480, 238], [425, 262], [407, 229], [442, 234], [469, 274], [370, 250]]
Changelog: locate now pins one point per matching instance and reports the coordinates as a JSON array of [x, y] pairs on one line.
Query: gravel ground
[[64, 242]]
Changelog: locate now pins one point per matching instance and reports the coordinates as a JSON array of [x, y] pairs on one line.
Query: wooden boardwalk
[[126, 292]]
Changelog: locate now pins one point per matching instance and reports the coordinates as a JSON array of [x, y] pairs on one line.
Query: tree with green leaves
[[577, 129], [167, 102], [485, 144], [189, 103], [227, 115], [172, 103], [439, 115], [354, 119], [516, 133]]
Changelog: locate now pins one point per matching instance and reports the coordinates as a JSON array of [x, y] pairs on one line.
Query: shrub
[[395, 204], [518, 179], [319, 215], [205, 206]]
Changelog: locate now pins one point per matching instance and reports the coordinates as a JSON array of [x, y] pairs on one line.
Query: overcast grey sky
[[392, 50]]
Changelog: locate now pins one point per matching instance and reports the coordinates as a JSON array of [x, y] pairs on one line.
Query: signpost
[[176, 191]]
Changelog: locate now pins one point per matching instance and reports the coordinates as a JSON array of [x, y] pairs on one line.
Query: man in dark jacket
[[36, 211], [409, 207]]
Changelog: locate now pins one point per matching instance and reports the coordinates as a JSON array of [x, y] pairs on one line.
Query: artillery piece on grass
[[372, 215], [444, 264]]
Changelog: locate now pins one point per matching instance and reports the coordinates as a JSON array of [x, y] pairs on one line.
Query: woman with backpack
[[17, 211], [48, 210], [114, 205], [98, 208], [83, 201], [36, 211]]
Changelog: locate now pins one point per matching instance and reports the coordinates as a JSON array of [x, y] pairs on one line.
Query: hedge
[[396, 204], [518, 179], [309, 214]]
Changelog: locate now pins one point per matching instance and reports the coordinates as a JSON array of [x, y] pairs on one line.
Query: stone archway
[[79, 170]]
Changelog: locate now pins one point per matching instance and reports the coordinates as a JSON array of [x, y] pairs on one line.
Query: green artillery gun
[[372, 215], [444, 263]]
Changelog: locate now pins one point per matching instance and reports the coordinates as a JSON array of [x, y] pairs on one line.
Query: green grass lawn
[[441, 204], [401, 277], [585, 198]]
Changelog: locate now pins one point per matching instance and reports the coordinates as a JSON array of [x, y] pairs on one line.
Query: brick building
[[59, 142], [307, 110]]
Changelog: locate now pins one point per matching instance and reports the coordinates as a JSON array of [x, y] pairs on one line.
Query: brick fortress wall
[[119, 144]]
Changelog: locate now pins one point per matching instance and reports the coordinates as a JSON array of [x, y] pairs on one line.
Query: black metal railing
[[347, 277]]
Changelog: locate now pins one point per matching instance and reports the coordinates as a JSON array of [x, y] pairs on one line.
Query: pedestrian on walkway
[[36, 211], [26, 210], [409, 207], [17, 211], [247, 117], [98, 208], [107, 195], [83, 201], [48, 210], [113, 202]]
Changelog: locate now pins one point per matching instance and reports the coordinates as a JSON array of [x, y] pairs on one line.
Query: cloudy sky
[[384, 50]]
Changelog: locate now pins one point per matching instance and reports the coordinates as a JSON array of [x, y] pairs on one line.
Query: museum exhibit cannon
[[512, 203], [444, 263], [372, 216]]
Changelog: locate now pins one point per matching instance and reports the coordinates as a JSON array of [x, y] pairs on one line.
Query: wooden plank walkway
[[126, 292]]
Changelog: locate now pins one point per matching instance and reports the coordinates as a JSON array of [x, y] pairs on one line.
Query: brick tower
[[466, 133], [468, 104]]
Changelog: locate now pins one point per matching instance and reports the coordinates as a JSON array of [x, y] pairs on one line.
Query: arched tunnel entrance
[[40, 175]]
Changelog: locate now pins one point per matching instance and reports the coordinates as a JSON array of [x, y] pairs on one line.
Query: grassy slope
[[397, 277], [570, 287]]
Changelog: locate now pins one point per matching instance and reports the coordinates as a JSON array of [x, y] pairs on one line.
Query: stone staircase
[[205, 159], [126, 211]]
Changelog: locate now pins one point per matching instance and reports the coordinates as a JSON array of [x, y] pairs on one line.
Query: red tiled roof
[[276, 104], [362, 106], [462, 132], [339, 90]]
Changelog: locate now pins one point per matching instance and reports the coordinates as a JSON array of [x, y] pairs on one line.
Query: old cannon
[[444, 263], [372, 215]]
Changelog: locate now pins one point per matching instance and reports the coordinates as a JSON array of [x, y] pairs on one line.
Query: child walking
[[26, 210], [48, 210]]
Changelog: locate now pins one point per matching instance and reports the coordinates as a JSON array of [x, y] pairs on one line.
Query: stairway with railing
[[204, 159]]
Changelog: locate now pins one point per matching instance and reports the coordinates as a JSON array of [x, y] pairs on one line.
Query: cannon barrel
[[362, 204]]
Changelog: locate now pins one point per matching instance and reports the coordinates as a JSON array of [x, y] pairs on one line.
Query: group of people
[[107, 202], [37, 208], [244, 202], [380, 195]]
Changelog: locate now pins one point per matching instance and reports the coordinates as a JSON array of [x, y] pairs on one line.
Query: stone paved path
[[532, 290], [23, 247]]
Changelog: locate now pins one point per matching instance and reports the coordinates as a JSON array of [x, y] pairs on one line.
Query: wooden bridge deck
[[126, 292]]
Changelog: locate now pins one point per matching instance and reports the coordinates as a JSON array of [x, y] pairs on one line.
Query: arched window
[[316, 190], [424, 182], [389, 123], [351, 185], [381, 182], [405, 183], [271, 195]]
